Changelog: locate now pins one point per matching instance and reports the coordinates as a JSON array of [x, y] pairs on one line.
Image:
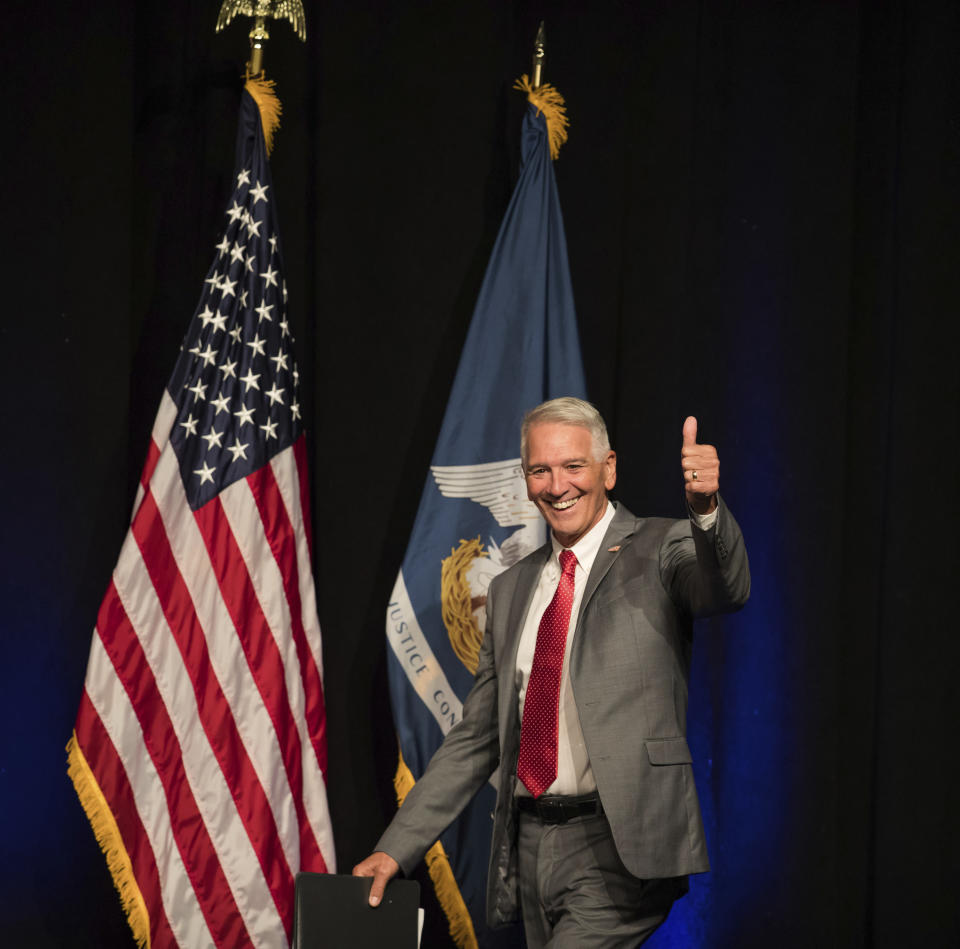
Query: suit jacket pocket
[[668, 751]]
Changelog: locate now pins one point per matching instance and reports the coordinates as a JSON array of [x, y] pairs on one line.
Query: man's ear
[[610, 473]]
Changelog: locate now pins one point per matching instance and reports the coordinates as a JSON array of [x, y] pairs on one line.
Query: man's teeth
[[563, 505]]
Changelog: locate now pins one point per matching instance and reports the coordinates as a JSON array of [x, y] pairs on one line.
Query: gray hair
[[567, 411]]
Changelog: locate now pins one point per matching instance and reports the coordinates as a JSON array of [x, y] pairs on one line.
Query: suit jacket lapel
[[529, 573], [520, 597], [618, 535]]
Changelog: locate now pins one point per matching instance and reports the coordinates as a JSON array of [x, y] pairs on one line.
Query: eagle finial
[[261, 10]]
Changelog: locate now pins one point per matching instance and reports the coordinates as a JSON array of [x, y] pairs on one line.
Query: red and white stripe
[[202, 719]]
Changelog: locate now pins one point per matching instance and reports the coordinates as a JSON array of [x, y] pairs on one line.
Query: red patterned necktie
[[537, 762]]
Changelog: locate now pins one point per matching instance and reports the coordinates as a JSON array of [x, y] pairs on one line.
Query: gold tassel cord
[[111, 843], [548, 101], [264, 93], [441, 873]]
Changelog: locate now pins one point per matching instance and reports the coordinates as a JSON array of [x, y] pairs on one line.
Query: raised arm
[[705, 570]]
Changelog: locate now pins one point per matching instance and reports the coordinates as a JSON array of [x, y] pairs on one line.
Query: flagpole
[[539, 57], [258, 36]]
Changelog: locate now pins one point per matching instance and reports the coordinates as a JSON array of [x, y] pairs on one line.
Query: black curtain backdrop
[[761, 202]]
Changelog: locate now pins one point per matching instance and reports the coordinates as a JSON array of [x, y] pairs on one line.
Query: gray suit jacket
[[629, 666]]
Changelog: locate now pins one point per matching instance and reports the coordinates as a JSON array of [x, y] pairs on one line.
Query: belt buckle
[[553, 812]]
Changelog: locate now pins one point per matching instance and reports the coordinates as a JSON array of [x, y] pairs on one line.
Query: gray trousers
[[575, 892]]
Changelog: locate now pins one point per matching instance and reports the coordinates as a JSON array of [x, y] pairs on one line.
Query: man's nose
[[558, 482]]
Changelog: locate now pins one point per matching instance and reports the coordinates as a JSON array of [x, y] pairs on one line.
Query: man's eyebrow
[[567, 461]]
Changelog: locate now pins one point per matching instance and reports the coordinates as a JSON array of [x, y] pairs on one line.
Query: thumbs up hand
[[701, 470]]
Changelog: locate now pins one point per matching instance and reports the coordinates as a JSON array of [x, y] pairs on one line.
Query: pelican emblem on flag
[[466, 574]]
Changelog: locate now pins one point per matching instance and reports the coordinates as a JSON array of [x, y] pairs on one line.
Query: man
[[580, 697]]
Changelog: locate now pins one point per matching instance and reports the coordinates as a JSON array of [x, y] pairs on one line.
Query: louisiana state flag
[[474, 518]]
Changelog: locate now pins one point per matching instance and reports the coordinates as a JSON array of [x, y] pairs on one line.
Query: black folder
[[331, 912]]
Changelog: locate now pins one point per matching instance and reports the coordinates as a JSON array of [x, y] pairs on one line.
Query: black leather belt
[[558, 810]]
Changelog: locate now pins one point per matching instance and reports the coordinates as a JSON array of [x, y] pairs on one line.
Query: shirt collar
[[587, 547]]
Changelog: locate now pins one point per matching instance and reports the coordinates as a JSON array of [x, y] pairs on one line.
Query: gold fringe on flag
[[111, 843], [548, 101], [264, 93], [441, 873]]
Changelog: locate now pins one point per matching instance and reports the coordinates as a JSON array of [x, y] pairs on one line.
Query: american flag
[[199, 751]]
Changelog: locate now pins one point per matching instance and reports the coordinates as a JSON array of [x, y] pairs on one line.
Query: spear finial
[[539, 56]]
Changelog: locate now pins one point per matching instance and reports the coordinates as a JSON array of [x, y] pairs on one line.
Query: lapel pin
[[613, 550]]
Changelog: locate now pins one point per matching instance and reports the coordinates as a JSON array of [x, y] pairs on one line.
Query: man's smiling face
[[565, 480]]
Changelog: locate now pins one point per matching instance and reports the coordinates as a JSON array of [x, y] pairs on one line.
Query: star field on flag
[[235, 384]]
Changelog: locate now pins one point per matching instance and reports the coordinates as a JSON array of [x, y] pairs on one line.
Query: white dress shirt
[[574, 774]]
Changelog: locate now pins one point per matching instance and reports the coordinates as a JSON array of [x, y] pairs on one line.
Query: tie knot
[[568, 562]]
